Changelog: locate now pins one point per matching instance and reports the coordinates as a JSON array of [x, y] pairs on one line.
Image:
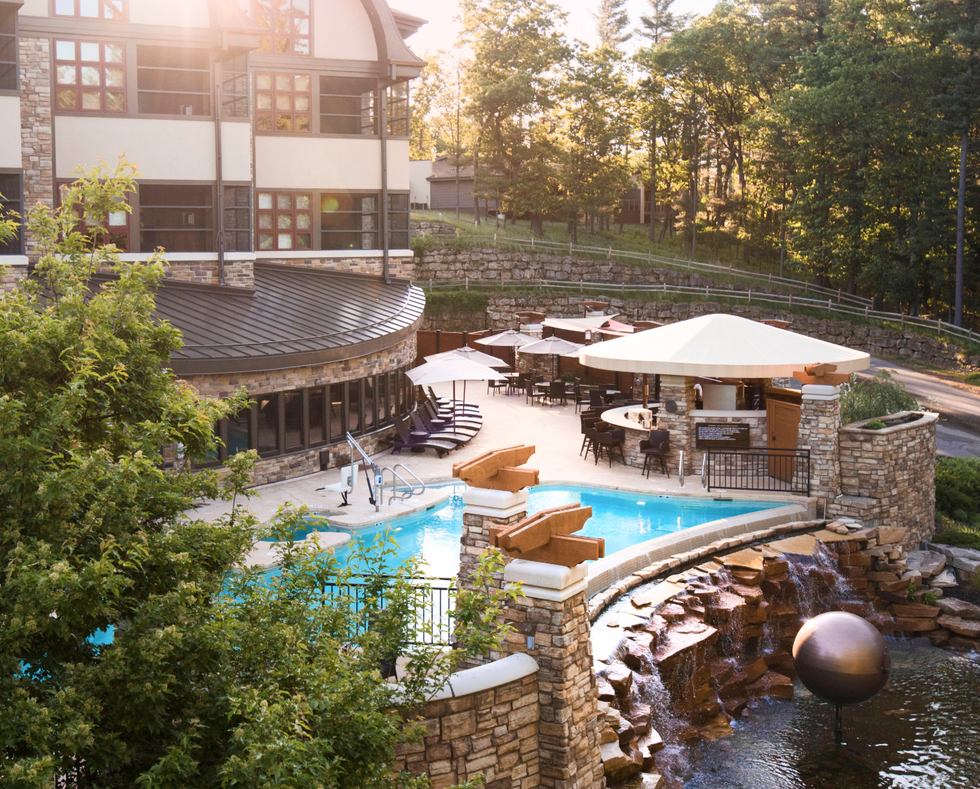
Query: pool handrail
[[412, 491]]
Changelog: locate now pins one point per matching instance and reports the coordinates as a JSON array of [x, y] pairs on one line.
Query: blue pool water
[[624, 519]]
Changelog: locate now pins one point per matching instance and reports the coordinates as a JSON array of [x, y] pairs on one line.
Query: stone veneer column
[[553, 612], [680, 390], [819, 432], [36, 125], [485, 508]]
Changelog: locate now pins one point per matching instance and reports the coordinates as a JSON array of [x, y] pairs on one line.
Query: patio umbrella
[[469, 353], [508, 339], [452, 369], [555, 346]]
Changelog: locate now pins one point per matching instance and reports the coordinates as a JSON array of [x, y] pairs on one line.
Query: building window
[[10, 201], [8, 48], [348, 221], [354, 420], [283, 102], [292, 408], [177, 217], [90, 76], [398, 214], [234, 87], [288, 23], [268, 424], [338, 398], [238, 432], [369, 404], [347, 106], [318, 415], [285, 220], [237, 226], [90, 9], [398, 109], [173, 80]]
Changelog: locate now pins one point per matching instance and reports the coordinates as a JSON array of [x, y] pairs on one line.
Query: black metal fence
[[775, 470], [435, 599]]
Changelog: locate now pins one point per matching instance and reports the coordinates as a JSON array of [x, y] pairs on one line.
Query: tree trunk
[[960, 221], [653, 183], [537, 227], [573, 230]]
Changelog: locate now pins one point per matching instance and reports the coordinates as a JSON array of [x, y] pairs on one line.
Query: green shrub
[[973, 377], [929, 598], [912, 591], [958, 488], [455, 302], [959, 538], [875, 424], [875, 397]]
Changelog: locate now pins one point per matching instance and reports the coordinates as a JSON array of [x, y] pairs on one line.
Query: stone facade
[[10, 276], [680, 391], [819, 428], [36, 125], [264, 382], [493, 732], [888, 477], [398, 267]]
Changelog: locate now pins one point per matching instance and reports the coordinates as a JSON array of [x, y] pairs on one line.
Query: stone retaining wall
[[878, 341], [887, 477], [432, 229], [398, 267]]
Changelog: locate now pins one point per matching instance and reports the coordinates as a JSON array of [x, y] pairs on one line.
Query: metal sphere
[[841, 658]]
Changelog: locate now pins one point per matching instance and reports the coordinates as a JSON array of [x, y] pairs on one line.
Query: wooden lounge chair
[[406, 440], [446, 418], [421, 431]]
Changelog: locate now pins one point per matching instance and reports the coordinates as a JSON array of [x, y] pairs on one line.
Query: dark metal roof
[[294, 317]]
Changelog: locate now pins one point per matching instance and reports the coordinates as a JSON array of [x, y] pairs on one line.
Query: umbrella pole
[[646, 391]]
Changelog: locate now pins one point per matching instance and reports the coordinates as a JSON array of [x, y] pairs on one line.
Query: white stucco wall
[[35, 8], [236, 151], [419, 189], [10, 144], [178, 13], [328, 163], [173, 150], [342, 31]]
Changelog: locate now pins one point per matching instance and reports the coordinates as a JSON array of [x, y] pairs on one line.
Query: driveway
[[958, 404]]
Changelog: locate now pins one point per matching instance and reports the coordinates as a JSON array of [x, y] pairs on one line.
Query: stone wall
[[238, 273], [888, 477], [264, 382], [10, 276], [819, 433], [680, 391], [878, 341], [432, 229], [398, 267], [493, 732], [36, 126]]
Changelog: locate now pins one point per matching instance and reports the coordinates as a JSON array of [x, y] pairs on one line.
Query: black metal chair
[[495, 386], [656, 446], [596, 398], [556, 392], [581, 397], [607, 442]]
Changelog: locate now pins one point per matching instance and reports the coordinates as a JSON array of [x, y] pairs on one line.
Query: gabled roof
[[295, 317]]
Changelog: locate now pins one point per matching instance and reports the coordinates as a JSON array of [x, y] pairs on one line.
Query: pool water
[[623, 519]]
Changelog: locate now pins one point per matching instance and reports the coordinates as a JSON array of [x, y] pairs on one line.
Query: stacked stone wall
[[36, 125], [819, 433], [896, 469], [680, 391], [492, 732], [398, 267], [10, 276]]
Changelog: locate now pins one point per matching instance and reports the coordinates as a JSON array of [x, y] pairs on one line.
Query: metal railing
[[771, 470], [411, 490], [938, 326], [371, 472], [433, 620]]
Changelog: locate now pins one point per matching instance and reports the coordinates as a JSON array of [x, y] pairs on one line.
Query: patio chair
[[596, 398], [607, 442], [531, 394], [406, 440], [420, 431], [495, 386], [581, 397], [587, 422], [656, 446], [556, 392], [348, 481]]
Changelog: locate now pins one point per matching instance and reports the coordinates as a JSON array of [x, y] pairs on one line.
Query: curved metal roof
[[295, 317]]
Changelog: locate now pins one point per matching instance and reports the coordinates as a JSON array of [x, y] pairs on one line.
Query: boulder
[[772, 685], [615, 764], [967, 565], [960, 608], [962, 627], [621, 679], [917, 610], [607, 735], [915, 624], [888, 535], [945, 580], [717, 728], [650, 743], [639, 716], [672, 612], [929, 563], [652, 781]]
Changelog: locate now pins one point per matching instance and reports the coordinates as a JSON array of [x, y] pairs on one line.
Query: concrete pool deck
[[507, 420]]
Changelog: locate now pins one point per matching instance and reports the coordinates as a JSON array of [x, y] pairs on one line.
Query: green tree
[[422, 138], [451, 125], [612, 23], [135, 650]]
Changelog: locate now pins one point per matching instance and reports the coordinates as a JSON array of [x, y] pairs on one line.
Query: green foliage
[[216, 675], [912, 591], [875, 424], [958, 488], [875, 397], [959, 535], [929, 598], [455, 302]]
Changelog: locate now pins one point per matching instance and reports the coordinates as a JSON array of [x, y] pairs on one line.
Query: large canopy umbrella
[[555, 346], [452, 369], [508, 339], [469, 353], [720, 346]]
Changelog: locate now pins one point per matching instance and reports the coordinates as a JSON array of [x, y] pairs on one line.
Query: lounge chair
[[656, 446], [348, 481], [406, 440], [446, 418], [445, 402], [432, 427], [420, 431]]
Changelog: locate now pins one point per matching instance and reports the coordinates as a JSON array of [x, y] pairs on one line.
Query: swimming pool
[[622, 518]]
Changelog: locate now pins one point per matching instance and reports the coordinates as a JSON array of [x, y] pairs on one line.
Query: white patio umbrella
[[452, 369], [469, 353], [508, 339], [555, 346]]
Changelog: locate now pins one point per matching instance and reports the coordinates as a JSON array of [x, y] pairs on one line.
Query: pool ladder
[[411, 490]]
